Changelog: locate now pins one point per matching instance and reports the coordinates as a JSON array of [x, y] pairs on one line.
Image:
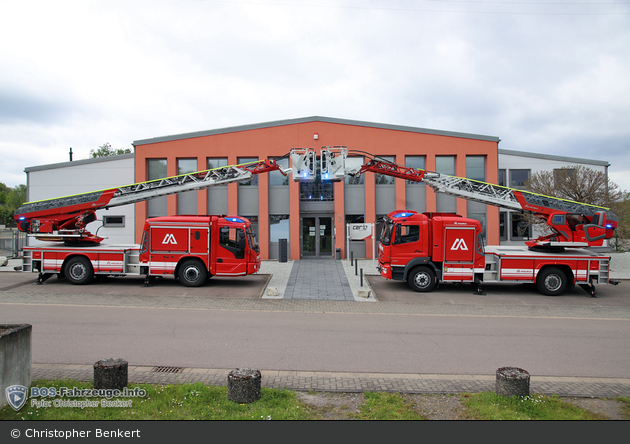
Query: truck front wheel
[[192, 273], [421, 279], [551, 281], [78, 270]]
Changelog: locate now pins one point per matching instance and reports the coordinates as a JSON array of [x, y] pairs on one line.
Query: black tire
[[78, 270], [192, 273], [421, 279], [551, 281]]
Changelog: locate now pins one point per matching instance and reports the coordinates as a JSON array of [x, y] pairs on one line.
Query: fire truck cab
[[424, 248]]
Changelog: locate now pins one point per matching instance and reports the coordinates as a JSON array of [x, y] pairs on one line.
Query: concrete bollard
[[512, 381], [244, 385], [110, 374]]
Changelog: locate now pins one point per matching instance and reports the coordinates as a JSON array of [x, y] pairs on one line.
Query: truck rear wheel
[[78, 270], [192, 273], [551, 281], [421, 279]]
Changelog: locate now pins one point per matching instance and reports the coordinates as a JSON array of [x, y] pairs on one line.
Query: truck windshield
[[386, 233], [251, 239]]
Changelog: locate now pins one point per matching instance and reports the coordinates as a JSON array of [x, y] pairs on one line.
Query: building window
[[278, 227], [114, 221], [156, 169], [417, 162], [520, 227], [186, 166], [382, 179], [253, 182], [317, 191], [476, 168], [354, 162], [563, 174], [443, 202], [518, 178], [502, 178], [216, 162], [445, 165], [276, 178], [187, 201]]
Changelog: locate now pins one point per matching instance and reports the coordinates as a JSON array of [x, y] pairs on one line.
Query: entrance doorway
[[317, 237]]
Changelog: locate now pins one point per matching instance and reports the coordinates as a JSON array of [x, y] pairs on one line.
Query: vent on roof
[[167, 369]]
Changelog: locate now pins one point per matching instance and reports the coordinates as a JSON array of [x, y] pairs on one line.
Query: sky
[[544, 77]]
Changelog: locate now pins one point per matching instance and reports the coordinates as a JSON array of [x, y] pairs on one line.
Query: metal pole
[[361, 277], [351, 258], [356, 265]]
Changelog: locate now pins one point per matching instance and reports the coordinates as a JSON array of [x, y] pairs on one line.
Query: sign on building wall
[[359, 231]]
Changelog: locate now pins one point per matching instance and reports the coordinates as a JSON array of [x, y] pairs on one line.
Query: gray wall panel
[[354, 197], [279, 202]]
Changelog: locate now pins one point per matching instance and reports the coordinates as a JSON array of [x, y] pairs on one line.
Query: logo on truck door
[[459, 244], [169, 239]]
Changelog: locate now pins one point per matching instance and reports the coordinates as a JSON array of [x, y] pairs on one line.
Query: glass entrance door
[[317, 236]]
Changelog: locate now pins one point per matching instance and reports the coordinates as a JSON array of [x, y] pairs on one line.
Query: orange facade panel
[[276, 139]]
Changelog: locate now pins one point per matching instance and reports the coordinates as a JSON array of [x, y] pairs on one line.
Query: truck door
[[166, 245], [459, 253], [231, 252], [408, 244]]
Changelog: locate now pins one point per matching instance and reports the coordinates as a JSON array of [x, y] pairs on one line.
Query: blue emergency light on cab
[[235, 220]]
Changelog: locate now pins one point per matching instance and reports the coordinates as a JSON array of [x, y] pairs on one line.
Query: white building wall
[[68, 178]]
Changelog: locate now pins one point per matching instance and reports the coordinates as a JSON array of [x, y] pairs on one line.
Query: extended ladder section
[[573, 224], [65, 218]]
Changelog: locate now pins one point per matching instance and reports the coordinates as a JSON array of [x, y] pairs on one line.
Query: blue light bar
[[402, 214], [235, 219]]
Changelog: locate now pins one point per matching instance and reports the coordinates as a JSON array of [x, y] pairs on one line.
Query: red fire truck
[[427, 248], [189, 248]]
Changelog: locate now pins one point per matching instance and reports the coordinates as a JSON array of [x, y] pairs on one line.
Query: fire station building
[[311, 216]]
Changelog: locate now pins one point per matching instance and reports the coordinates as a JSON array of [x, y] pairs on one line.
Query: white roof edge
[[51, 166], [554, 157]]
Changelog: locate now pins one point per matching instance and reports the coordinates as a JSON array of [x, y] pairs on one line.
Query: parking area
[[498, 294], [246, 287], [381, 290]]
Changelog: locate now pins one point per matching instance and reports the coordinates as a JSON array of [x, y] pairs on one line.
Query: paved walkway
[[349, 382], [318, 279]]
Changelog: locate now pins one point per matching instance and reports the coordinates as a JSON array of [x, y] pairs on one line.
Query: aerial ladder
[[65, 218], [572, 224]]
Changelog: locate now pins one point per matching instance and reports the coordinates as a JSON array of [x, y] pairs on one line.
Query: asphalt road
[[326, 341], [447, 332]]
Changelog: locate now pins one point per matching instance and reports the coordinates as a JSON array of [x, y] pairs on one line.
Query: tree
[[107, 150], [581, 184], [10, 200]]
